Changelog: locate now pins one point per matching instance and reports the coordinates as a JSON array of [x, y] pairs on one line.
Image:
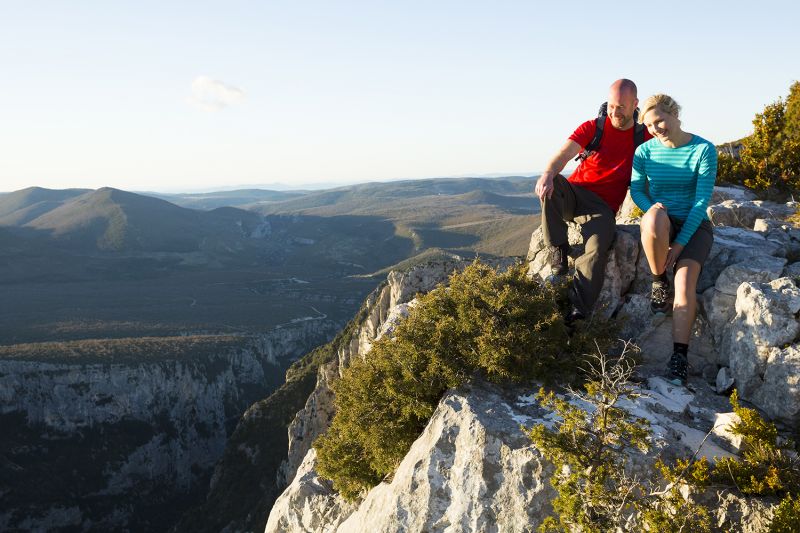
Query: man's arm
[[544, 185]]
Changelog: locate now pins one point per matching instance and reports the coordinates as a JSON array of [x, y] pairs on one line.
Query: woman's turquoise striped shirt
[[680, 178]]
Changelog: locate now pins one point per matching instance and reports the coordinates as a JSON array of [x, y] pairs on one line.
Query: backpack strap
[[599, 124], [594, 144], [638, 130]]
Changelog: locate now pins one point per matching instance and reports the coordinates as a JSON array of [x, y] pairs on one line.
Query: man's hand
[[675, 250], [544, 186]]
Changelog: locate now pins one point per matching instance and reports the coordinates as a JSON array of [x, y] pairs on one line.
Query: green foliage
[[590, 448], [500, 325], [787, 516], [766, 467], [769, 160]]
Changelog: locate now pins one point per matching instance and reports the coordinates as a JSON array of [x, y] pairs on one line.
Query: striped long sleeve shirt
[[681, 178]]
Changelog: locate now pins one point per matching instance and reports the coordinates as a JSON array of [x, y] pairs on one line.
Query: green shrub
[[766, 467], [787, 516], [502, 326], [769, 159], [590, 448]]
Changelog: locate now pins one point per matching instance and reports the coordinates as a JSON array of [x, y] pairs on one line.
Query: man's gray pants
[[573, 203]]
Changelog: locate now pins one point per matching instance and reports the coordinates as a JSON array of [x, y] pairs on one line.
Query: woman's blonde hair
[[663, 102]]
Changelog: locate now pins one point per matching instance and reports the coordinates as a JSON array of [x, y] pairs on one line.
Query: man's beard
[[620, 122]]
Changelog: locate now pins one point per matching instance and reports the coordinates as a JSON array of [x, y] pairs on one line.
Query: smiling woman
[[672, 180]]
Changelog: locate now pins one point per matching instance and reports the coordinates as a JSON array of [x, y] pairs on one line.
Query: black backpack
[[600, 122]]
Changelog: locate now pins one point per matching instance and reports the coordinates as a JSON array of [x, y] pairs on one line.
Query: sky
[[191, 96]]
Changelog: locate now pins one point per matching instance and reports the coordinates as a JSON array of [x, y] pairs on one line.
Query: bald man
[[591, 196]]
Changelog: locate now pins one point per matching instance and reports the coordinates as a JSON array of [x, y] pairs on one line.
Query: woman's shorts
[[699, 245]]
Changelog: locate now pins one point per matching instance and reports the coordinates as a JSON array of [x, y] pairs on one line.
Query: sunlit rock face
[[473, 468]]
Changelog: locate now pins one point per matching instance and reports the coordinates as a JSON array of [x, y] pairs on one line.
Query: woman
[[673, 177]]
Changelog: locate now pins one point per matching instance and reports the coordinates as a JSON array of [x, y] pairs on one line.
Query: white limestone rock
[[718, 309], [308, 504], [743, 214], [731, 246], [781, 232], [792, 271], [769, 311], [472, 470], [538, 257], [310, 422], [779, 395], [724, 381], [620, 272], [760, 269], [764, 326], [732, 192], [625, 215]]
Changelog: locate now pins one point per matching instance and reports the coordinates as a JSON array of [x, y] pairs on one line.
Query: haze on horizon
[[183, 96]]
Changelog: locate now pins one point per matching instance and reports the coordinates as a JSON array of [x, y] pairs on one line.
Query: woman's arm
[[639, 181], [706, 175]]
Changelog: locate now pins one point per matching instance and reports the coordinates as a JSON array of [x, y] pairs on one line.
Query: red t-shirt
[[607, 172]]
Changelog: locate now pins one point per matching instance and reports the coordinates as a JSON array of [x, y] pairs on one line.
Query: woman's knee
[[655, 224]]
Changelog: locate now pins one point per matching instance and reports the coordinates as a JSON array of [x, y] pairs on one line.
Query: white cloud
[[213, 95]]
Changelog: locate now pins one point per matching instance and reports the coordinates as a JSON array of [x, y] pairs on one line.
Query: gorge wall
[[124, 434]]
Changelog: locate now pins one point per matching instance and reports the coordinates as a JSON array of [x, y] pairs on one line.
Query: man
[[591, 196]]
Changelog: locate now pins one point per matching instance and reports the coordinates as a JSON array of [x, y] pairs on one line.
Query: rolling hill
[[106, 263], [20, 207]]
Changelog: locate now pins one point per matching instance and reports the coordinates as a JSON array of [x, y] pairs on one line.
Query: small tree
[[590, 449], [769, 159]]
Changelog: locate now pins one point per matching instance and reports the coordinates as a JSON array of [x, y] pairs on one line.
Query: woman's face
[[662, 125]]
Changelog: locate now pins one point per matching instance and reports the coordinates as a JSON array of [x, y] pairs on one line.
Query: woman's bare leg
[[684, 307], [654, 228]]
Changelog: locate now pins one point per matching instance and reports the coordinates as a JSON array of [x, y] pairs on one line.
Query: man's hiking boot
[[678, 369], [660, 297], [559, 260], [559, 265]]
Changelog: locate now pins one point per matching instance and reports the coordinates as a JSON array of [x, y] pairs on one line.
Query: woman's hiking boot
[[660, 297], [678, 369]]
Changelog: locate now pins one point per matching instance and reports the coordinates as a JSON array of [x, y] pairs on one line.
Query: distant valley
[[136, 329], [108, 263]]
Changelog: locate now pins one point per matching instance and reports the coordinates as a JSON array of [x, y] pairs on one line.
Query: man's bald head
[[624, 85], [622, 102]]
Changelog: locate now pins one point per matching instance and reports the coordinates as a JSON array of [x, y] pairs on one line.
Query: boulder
[[724, 380], [779, 395], [472, 450], [731, 246], [474, 469], [758, 343], [309, 503], [761, 269], [743, 214], [719, 309], [620, 270], [792, 271], [732, 192], [781, 232], [628, 211]]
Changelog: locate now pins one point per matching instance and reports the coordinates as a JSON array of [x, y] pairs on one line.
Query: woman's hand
[[675, 250], [659, 205]]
